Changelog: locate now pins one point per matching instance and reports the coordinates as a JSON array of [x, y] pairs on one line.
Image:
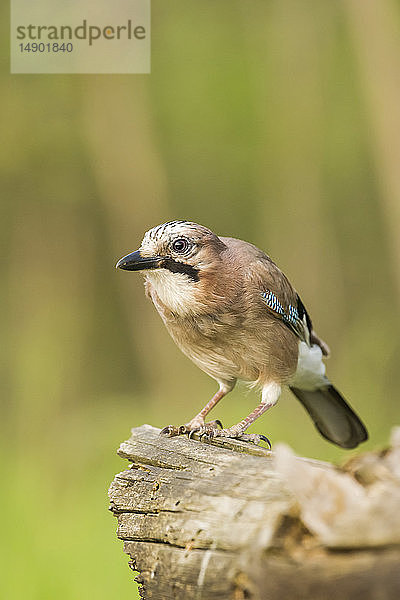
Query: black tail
[[332, 416]]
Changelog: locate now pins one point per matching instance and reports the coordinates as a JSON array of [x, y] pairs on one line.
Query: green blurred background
[[276, 122]]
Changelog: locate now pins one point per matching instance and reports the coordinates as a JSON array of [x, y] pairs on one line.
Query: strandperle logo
[[80, 36], [85, 31]]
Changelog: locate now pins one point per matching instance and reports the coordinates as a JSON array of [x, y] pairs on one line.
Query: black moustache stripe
[[179, 267]]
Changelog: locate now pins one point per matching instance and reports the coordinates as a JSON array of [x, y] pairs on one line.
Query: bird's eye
[[180, 245]]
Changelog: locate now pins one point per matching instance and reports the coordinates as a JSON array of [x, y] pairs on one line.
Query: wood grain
[[217, 520]]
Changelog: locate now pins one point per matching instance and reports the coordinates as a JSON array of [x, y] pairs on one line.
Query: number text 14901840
[[49, 47]]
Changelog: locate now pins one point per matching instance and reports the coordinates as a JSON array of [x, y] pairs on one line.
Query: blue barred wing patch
[[290, 316], [293, 315], [273, 303]]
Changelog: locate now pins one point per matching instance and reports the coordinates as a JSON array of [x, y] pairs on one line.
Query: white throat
[[175, 290]]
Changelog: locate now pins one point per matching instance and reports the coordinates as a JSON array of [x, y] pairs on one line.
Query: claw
[[170, 431], [266, 440], [254, 438]]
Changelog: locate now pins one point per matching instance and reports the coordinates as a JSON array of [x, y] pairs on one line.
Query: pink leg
[[197, 424], [214, 400], [247, 421], [270, 396]]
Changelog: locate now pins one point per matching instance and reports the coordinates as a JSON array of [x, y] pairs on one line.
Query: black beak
[[136, 262]]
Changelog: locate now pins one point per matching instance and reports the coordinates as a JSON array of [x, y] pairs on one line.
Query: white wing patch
[[310, 372]]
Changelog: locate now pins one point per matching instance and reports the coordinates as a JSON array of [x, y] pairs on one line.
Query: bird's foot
[[196, 425], [204, 428], [254, 438], [212, 430]]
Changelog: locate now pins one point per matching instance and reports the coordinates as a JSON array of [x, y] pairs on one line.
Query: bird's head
[[180, 259]]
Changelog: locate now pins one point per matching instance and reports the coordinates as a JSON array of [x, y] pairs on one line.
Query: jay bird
[[233, 312]]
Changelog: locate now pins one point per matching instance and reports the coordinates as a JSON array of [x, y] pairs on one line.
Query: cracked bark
[[218, 520]]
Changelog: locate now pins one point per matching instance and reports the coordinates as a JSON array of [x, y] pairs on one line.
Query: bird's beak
[[136, 262]]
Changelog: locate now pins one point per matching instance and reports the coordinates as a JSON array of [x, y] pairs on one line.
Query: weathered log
[[231, 520]]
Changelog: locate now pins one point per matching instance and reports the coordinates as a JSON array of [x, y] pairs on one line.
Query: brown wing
[[282, 300], [276, 292]]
